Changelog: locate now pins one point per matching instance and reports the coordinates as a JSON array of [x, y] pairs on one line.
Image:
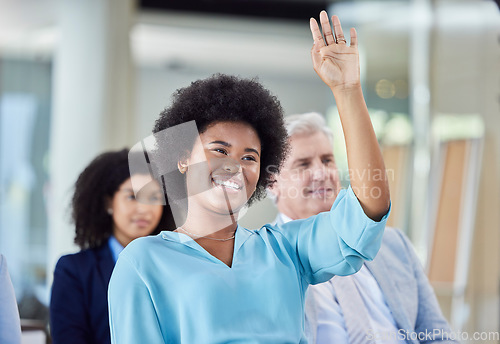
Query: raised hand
[[336, 63]]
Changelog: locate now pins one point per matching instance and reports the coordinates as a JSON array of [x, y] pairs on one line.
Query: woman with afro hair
[[107, 218], [213, 281]]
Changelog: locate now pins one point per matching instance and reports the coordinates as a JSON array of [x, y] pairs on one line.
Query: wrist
[[346, 90], [350, 101]]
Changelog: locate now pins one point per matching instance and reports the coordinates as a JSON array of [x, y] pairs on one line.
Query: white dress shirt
[[322, 302]]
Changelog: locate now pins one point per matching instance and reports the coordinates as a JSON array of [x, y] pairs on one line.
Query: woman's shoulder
[[281, 231], [143, 247], [88, 255], [142, 242], [282, 228]]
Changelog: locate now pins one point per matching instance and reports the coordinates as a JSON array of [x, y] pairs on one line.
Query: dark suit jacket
[[79, 301]]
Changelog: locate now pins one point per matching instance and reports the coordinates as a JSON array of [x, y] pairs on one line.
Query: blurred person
[[10, 325], [107, 217], [390, 299], [213, 281]]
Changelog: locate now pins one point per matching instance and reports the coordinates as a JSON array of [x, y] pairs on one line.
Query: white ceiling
[[196, 41], [28, 28]]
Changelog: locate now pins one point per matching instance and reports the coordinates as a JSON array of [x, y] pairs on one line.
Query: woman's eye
[[220, 150], [131, 197], [251, 158], [155, 198]]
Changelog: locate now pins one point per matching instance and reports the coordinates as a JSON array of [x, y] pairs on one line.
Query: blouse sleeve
[[335, 242], [132, 314]]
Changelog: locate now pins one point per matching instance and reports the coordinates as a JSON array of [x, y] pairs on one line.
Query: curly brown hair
[[96, 184]]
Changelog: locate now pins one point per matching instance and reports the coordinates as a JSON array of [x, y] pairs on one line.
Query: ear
[[182, 166], [274, 189], [108, 205], [183, 162]]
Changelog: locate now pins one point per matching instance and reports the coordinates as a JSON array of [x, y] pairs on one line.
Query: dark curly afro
[[229, 98], [93, 188]]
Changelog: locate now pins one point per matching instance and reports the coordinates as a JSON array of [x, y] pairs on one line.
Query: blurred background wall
[[81, 77]]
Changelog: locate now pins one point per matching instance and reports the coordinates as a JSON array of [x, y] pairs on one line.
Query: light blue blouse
[[168, 289]]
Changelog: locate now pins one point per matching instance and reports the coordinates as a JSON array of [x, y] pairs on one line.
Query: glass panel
[[25, 93]]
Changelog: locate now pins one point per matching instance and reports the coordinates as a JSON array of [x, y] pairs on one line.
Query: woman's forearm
[[366, 165]]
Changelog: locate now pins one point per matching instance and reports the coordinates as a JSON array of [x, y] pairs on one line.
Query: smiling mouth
[[141, 223], [228, 184], [321, 192]]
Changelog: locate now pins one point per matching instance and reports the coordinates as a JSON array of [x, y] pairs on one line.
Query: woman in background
[[107, 218]]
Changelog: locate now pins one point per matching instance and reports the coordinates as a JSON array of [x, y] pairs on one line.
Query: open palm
[[336, 63]]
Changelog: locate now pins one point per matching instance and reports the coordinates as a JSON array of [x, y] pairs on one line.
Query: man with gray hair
[[390, 299], [309, 181]]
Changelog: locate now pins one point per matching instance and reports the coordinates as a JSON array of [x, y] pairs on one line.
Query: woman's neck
[[205, 223]]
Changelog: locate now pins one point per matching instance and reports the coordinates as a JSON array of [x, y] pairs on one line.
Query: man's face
[[309, 182]]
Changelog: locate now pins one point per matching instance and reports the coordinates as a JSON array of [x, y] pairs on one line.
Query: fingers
[[354, 38], [326, 27], [317, 37], [337, 28], [337, 36]]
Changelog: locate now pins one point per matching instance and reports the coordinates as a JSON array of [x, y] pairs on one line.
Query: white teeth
[[228, 184]]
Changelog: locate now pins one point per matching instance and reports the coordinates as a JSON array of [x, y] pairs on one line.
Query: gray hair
[[307, 124]]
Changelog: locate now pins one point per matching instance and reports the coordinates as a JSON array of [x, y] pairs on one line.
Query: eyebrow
[[227, 144], [127, 190], [321, 156], [300, 160], [308, 159]]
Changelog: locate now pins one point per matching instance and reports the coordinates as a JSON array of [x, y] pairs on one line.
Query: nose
[[231, 166], [142, 206], [318, 172]]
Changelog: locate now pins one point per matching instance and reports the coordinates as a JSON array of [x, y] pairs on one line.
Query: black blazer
[[79, 301]]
